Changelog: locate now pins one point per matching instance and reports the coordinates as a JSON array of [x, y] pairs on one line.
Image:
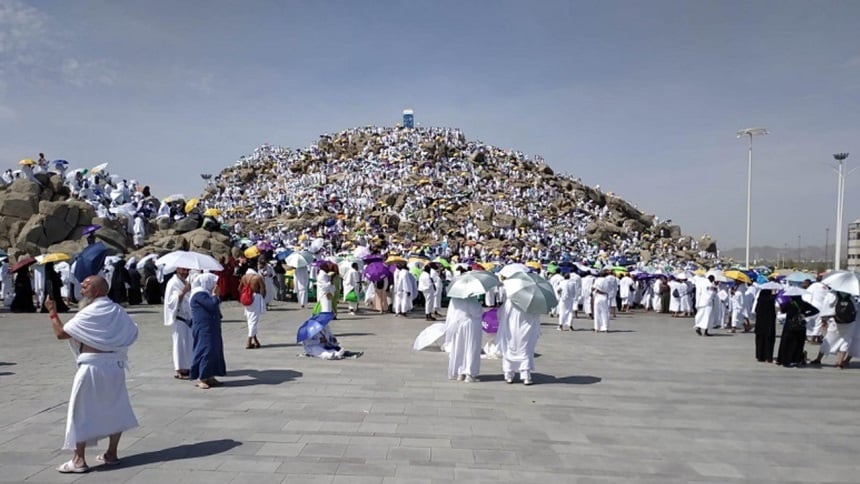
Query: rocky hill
[[423, 186]]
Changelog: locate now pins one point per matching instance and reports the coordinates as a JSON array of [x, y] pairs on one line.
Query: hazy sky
[[643, 98]]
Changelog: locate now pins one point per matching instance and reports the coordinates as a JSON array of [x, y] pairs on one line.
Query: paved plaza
[[648, 402]]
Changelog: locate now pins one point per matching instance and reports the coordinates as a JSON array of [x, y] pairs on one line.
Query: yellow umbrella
[[191, 204], [533, 264], [211, 212], [700, 272], [55, 257], [252, 252], [738, 276], [26, 162], [488, 265], [394, 258]]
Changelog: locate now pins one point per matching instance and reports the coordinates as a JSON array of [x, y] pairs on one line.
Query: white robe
[[705, 296], [301, 279], [517, 339], [183, 340], [402, 292], [99, 405], [566, 289], [601, 304], [464, 320], [587, 282]]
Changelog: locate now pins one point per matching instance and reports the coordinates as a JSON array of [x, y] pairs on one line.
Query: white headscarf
[[204, 282]]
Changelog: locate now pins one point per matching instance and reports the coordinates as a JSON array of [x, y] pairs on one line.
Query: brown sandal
[[180, 376]]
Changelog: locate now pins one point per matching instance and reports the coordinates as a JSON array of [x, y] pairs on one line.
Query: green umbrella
[[552, 268], [445, 263]]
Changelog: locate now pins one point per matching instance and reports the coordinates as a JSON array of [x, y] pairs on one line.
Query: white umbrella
[[174, 198], [361, 252], [189, 260], [142, 262], [773, 286], [512, 269], [794, 291], [843, 281], [415, 264], [317, 245], [472, 283], [98, 168], [296, 259], [530, 293], [429, 336]]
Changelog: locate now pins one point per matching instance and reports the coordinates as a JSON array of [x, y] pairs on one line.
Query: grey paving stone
[[651, 403]]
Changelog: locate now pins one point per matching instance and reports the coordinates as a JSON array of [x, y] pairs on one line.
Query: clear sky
[[642, 98]]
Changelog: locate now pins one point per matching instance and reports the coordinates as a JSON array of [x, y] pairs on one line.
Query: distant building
[[854, 245], [408, 118]]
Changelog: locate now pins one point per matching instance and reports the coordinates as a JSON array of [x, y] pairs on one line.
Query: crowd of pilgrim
[[344, 179], [337, 273]]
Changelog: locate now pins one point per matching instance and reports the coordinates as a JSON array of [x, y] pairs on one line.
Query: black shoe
[[698, 331]]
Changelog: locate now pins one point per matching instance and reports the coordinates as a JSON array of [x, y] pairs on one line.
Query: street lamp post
[[840, 199], [750, 132]]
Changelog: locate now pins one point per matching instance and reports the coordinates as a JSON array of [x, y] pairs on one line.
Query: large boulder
[[215, 244]]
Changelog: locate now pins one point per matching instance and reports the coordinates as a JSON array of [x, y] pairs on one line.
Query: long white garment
[[39, 283], [350, 283], [737, 308], [705, 295], [301, 279], [624, 286], [464, 319], [99, 405], [325, 292], [268, 275], [587, 283], [425, 285], [565, 291], [139, 230], [177, 313], [816, 296], [657, 296], [601, 312], [674, 301], [554, 281], [315, 347], [438, 288], [402, 295], [254, 312], [517, 339]]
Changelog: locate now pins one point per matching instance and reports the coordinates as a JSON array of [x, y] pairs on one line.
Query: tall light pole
[[750, 132], [840, 199]]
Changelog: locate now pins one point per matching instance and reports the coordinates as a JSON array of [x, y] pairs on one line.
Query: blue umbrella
[[312, 326], [90, 229], [283, 254], [57, 163], [90, 261]]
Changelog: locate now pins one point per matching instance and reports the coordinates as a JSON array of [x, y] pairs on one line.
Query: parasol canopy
[[90, 261], [512, 269], [490, 321], [472, 283], [22, 264], [428, 336], [738, 276], [211, 212], [376, 271], [843, 281], [297, 259], [191, 204], [26, 162], [98, 168], [530, 293], [54, 257], [312, 326], [189, 260]]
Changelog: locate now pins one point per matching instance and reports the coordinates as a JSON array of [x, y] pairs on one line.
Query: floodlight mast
[[840, 200], [750, 132]]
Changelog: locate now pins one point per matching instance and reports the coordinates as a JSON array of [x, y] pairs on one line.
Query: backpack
[[246, 297], [845, 311], [675, 293]]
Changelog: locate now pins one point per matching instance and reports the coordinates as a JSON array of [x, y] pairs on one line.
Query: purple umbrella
[[264, 246], [372, 258], [90, 229], [490, 321], [376, 271]]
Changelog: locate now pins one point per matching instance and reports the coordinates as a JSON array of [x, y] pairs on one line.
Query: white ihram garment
[[517, 339], [99, 405], [178, 315], [463, 318]]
